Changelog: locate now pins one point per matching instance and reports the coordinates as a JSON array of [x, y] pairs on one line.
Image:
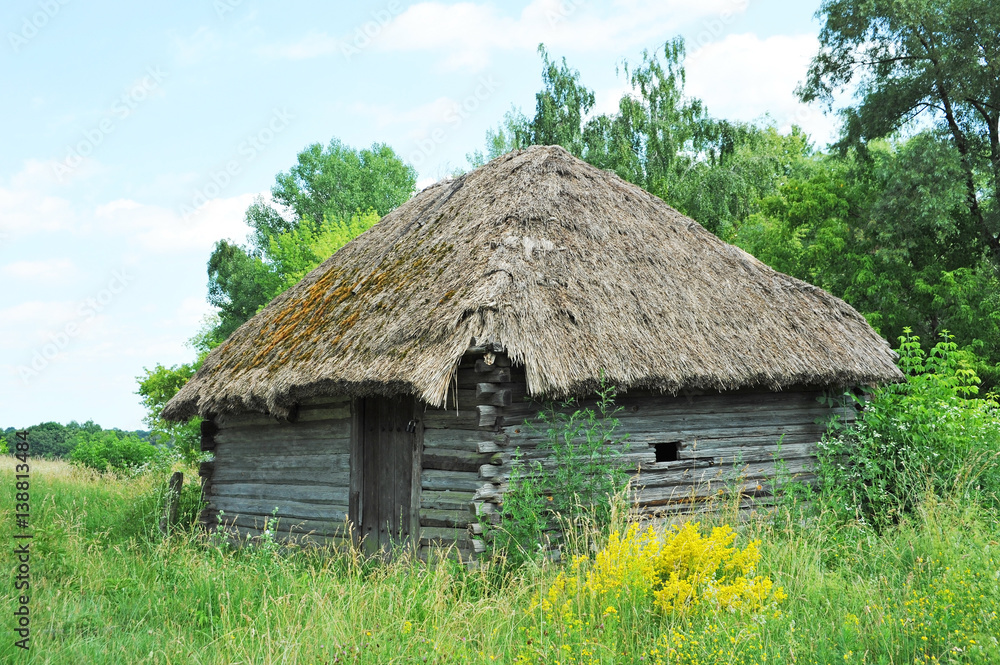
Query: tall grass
[[107, 588]]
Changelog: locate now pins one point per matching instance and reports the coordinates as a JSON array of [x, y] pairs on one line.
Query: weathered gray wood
[[488, 492], [705, 446], [444, 459], [445, 535], [500, 397], [499, 360], [482, 508], [683, 499], [388, 516], [324, 413], [467, 419], [673, 486], [652, 468], [690, 422], [489, 472], [169, 518], [333, 493], [450, 480], [445, 500], [287, 509], [731, 454], [628, 461], [471, 378], [488, 414], [309, 465], [283, 528], [477, 350], [285, 435], [459, 439], [619, 453], [287, 477], [636, 402], [416, 473], [355, 486], [487, 389], [681, 511], [713, 412], [653, 431], [444, 518], [228, 420]]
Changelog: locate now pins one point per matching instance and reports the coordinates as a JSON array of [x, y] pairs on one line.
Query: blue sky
[[136, 134]]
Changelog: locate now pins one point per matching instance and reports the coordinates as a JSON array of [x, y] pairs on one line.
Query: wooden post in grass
[[169, 518]]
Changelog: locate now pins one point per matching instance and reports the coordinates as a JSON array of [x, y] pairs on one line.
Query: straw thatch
[[571, 269]]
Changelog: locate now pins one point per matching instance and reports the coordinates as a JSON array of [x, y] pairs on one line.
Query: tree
[[239, 284], [660, 139], [156, 387], [887, 231], [338, 181], [560, 110], [933, 59], [330, 195]]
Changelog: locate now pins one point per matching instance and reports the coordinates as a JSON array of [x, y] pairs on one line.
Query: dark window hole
[[668, 451]]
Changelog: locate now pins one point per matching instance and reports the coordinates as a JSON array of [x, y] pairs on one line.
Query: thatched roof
[[571, 269]]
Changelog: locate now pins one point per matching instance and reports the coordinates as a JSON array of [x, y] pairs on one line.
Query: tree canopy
[[936, 61], [329, 196], [885, 221]]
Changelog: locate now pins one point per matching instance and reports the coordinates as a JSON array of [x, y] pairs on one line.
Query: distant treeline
[[54, 440]]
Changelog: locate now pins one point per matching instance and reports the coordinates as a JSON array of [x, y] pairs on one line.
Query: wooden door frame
[[356, 490]]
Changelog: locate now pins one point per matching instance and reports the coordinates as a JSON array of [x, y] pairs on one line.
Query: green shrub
[[575, 486], [930, 432], [109, 449]]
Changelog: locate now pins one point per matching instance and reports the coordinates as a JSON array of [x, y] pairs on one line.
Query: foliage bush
[[575, 481], [111, 450], [929, 432], [156, 387]]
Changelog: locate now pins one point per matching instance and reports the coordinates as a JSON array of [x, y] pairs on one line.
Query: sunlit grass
[[108, 589]]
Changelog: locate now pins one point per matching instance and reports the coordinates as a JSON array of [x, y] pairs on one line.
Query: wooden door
[[385, 467]]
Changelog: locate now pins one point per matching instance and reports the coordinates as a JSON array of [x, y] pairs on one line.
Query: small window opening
[[668, 451]]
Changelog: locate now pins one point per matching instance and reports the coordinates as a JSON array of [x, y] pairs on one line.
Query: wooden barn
[[390, 386]]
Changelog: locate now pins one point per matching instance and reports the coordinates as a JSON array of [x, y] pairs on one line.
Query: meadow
[[106, 587]]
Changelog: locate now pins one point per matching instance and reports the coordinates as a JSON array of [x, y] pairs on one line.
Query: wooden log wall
[[741, 441], [735, 441], [464, 450], [301, 468]]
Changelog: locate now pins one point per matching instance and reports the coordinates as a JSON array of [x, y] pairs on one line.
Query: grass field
[[105, 588]]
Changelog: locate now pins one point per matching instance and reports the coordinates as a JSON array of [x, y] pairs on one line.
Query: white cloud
[[467, 34], [27, 206], [422, 116], [313, 45], [159, 229], [31, 319], [51, 271], [743, 77]]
